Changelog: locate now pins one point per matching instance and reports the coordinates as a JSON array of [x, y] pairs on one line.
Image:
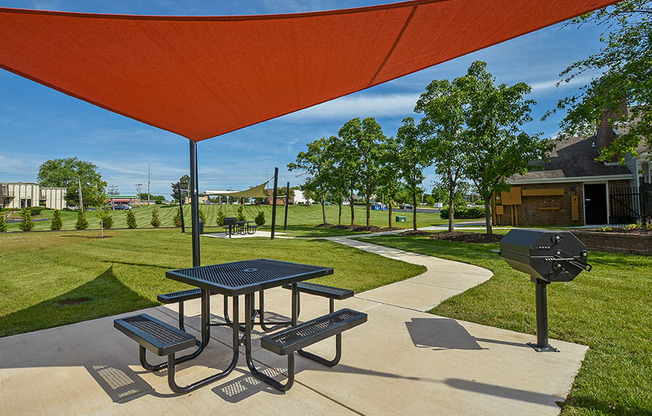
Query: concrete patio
[[402, 361]]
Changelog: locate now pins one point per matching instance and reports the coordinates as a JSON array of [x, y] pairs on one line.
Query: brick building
[[572, 188]]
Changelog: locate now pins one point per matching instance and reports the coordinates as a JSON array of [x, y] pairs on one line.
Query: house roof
[[571, 158]]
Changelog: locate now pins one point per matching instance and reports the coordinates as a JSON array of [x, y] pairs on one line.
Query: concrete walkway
[[402, 361]]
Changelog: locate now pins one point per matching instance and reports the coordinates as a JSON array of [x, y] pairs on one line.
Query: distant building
[[130, 200], [18, 195], [300, 198]]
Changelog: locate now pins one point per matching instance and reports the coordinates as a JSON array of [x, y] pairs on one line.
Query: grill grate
[[158, 332]]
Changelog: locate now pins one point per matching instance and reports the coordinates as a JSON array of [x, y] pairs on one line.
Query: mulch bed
[[468, 237], [414, 232], [622, 230], [354, 227]]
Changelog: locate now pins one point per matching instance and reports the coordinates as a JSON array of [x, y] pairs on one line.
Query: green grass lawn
[[608, 309], [43, 276], [301, 219]]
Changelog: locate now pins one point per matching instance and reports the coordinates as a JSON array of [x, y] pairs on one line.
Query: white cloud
[[386, 105]]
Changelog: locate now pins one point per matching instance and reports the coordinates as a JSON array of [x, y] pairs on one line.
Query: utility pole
[[113, 191], [274, 202], [149, 181], [138, 188], [287, 203]]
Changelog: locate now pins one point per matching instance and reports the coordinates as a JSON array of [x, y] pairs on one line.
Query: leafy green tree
[[442, 126], [365, 139], [71, 173], [412, 158], [26, 224], [156, 222], [344, 154], [260, 218], [496, 145], [106, 218], [241, 216], [131, 219], [220, 216], [3, 223], [185, 188], [625, 79], [56, 224], [390, 175], [177, 218], [316, 164], [82, 222]]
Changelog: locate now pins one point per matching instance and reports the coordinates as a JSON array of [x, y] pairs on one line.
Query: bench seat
[[297, 337], [154, 335], [179, 296], [330, 292]]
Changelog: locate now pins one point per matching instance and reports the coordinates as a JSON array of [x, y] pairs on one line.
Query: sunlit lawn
[[608, 309], [44, 276]]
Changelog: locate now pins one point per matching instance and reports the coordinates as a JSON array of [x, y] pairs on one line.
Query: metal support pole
[[287, 204], [194, 205], [542, 317], [274, 202], [183, 224]]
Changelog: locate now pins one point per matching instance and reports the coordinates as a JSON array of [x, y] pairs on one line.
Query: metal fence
[[630, 204]]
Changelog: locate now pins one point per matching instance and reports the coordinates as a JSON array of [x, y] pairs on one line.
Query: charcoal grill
[[547, 256]]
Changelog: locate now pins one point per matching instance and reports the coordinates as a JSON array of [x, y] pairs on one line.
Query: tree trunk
[[451, 209], [414, 209], [368, 206], [323, 206], [352, 208], [487, 214], [390, 213], [339, 219]]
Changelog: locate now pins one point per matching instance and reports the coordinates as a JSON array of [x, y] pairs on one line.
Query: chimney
[[606, 135]]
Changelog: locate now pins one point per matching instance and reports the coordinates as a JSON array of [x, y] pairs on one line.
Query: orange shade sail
[[201, 77]]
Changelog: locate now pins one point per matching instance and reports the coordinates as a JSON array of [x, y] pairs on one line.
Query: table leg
[[206, 331], [249, 299]]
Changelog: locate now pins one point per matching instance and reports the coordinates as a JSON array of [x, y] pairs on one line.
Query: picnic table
[[233, 226]]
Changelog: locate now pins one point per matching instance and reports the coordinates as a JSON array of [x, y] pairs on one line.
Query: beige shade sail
[[255, 192]]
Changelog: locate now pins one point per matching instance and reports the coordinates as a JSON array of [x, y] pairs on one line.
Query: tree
[[412, 157], [344, 154], [106, 218], [390, 175], [72, 174], [3, 223], [496, 147], [241, 216], [131, 219], [260, 218], [185, 188], [442, 125], [56, 224], [316, 165], [220, 217], [177, 218], [625, 80], [364, 139], [82, 222], [156, 222], [26, 224]]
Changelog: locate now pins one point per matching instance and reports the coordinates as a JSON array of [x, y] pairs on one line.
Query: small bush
[[82, 222], [106, 218], [35, 210], [156, 222], [26, 224], [463, 212], [605, 229], [3, 223], [220, 216], [56, 224], [202, 215], [260, 218], [648, 226], [177, 218], [131, 219], [241, 216], [632, 227]]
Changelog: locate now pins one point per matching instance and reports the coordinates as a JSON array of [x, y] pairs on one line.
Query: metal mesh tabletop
[[247, 276]]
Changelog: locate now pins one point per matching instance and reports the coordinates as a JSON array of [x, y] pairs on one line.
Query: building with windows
[[18, 195]]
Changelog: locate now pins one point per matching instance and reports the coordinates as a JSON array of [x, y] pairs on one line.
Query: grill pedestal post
[[542, 317]]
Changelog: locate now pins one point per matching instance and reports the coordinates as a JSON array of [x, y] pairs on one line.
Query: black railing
[[630, 204]]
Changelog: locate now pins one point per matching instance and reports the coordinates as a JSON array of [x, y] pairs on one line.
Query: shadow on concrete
[[506, 392], [440, 334], [247, 385]]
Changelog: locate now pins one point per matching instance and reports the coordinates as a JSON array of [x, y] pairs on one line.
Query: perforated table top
[[247, 276]]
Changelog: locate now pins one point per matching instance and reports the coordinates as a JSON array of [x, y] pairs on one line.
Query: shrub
[[82, 222], [220, 216], [56, 224], [106, 218], [260, 218], [463, 212], [3, 223], [605, 229], [202, 215], [26, 224], [131, 219], [648, 226], [35, 210], [177, 218], [156, 222], [632, 227], [241, 216]]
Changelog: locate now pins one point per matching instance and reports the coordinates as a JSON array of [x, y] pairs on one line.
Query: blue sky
[[37, 123]]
